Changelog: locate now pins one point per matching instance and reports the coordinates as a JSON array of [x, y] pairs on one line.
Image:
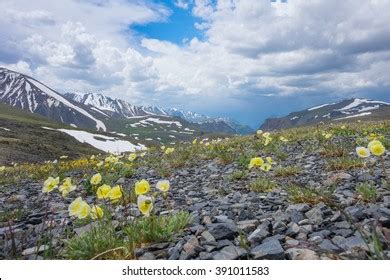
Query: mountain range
[[345, 110], [95, 110]]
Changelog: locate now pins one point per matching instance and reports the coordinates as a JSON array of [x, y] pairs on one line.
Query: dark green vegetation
[[22, 138]]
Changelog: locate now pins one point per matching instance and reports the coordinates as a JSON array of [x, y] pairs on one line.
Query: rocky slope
[[351, 109], [229, 221]]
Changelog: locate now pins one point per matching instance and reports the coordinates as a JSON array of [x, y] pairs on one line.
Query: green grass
[[12, 215], [367, 192], [298, 194], [100, 242], [287, 171], [238, 175], [345, 163], [156, 228], [262, 185]]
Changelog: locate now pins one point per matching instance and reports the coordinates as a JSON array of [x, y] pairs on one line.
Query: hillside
[[343, 111], [313, 198]]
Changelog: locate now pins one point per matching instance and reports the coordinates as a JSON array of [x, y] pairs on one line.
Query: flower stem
[[384, 167]]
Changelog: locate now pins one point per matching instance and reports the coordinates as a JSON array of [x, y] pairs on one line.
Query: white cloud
[[249, 48], [182, 4]]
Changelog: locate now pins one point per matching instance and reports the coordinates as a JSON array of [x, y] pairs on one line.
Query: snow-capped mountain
[[105, 105], [350, 109], [95, 110], [26, 93], [121, 109]]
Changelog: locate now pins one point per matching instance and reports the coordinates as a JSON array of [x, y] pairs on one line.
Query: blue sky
[[246, 59], [177, 28]]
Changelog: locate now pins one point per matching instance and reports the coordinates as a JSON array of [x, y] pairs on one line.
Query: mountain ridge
[[344, 110]]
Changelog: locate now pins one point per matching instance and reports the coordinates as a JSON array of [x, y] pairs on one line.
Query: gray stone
[[316, 239], [192, 246], [224, 243], [327, 245], [296, 216], [247, 225], [292, 242], [223, 230], [356, 213], [269, 250], [300, 207], [342, 225], [208, 238], [147, 256], [355, 243], [278, 237], [293, 230], [259, 234], [35, 250], [315, 215], [230, 253], [301, 254]]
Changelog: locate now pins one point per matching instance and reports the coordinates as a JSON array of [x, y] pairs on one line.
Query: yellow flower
[[111, 159], [169, 151], [266, 167], [100, 164], [67, 187], [142, 187], [2, 168], [102, 191], [267, 140], [92, 157], [163, 148], [132, 157], [163, 185], [327, 135], [269, 160], [145, 205], [195, 141], [142, 154], [373, 142], [79, 208], [266, 134], [115, 193], [96, 179], [363, 152], [50, 184], [376, 148], [96, 212], [283, 139], [343, 127], [256, 162]]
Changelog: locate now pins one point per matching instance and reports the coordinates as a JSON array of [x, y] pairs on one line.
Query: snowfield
[[102, 142], [149, 121]]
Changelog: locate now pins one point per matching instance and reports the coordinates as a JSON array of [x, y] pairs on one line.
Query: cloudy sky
[[247, 59]]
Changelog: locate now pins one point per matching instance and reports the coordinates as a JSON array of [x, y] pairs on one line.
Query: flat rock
[[223, 230], [230, 253], [301, 254], [271, 250]]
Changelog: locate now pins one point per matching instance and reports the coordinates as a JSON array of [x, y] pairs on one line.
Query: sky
[[245, 59]]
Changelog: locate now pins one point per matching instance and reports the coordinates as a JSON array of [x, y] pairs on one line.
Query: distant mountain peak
[[348, 109], [29, 94]]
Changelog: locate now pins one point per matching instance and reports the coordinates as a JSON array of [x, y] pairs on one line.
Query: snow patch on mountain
[[60, 98], [101, 142]]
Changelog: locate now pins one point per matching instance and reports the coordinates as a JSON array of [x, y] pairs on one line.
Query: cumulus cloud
[[182, 4], [249, 50]]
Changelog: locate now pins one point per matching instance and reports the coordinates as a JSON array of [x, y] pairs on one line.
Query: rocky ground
[[228, 220]]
